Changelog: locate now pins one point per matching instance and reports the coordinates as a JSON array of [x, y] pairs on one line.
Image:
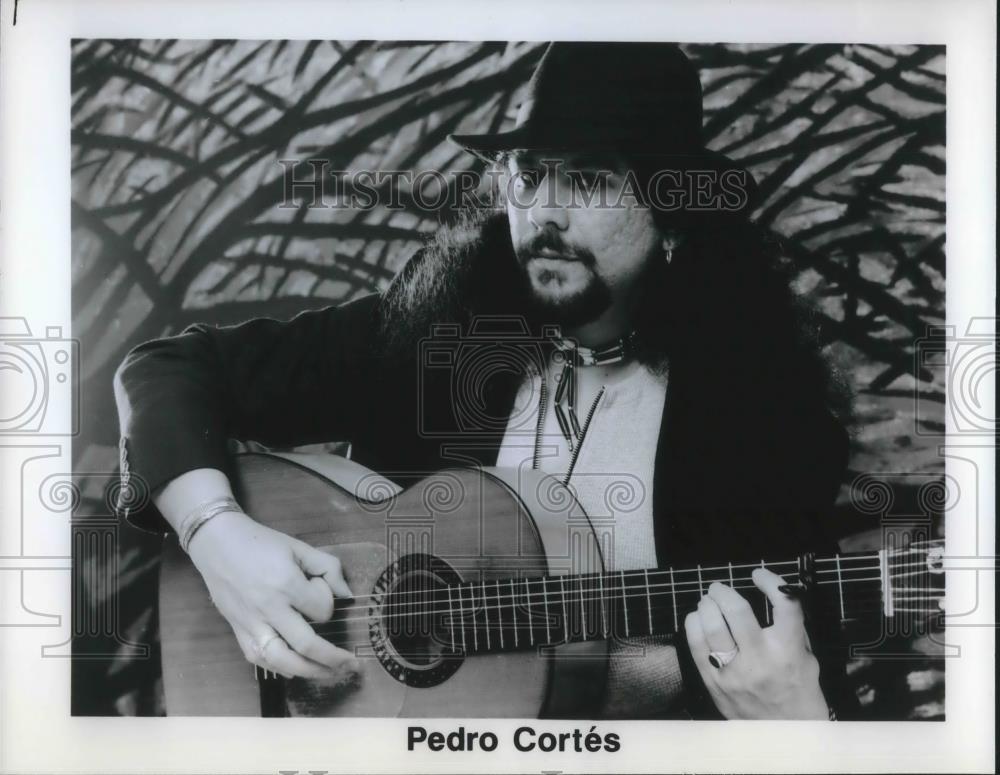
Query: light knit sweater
[[612, 480]]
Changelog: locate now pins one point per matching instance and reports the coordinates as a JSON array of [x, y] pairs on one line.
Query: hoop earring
[[669, 243]]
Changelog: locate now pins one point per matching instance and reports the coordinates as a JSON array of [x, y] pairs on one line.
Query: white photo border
[[37, 732]]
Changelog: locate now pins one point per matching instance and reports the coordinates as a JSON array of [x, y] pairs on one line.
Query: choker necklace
[[574, 356]]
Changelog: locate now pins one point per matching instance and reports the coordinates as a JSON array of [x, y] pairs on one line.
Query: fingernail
[[792, 590]]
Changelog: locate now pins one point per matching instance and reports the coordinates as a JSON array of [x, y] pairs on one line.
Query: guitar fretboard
[[530, 612]]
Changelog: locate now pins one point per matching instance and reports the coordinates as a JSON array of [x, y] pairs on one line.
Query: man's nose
[[547, 209]]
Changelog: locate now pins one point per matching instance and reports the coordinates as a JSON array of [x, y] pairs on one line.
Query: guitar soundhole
[[408, 621]]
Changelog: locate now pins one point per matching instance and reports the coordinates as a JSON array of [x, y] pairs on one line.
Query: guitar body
[[473, 525]]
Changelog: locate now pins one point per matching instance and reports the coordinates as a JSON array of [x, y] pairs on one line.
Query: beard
[[555, 298], [471, 268], [562, 284]]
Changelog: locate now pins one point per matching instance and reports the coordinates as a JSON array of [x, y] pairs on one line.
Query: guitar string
[[611, 592], [680, 586], [556, 596], [831, 571], [354, 644], [859, 604], [890, 556], [477, 624], [661, 612]]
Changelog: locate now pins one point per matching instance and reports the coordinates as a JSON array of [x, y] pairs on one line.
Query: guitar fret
[[837, 571], [840, 587], [604, 616], [673, 595], [545, 596], [649, 605], [624, 606], [486, 615], [451, 618], [886, 585], [461, 610], [472, 609], [513, 610], [527, 606], [562, 585], [499, 613]]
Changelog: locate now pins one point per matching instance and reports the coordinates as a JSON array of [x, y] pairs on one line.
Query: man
[[682, 364]]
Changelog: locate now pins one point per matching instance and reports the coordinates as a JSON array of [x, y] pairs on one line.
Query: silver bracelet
[[201, 514]]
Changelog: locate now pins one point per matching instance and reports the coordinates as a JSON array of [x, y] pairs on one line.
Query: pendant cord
[[564, 404]]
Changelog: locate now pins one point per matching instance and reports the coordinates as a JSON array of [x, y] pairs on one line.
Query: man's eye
[[527, 177]]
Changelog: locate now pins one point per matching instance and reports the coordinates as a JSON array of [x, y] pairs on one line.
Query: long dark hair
[[722, 310]]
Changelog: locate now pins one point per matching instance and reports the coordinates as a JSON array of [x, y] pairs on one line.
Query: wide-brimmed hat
[[642, 101]]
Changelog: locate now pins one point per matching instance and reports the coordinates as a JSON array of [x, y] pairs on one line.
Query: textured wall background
[[176, 187]]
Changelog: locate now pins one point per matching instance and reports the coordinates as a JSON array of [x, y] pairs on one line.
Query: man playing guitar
[[680, 362]]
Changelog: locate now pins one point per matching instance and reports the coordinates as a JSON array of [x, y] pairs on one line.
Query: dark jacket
[[735, 480]]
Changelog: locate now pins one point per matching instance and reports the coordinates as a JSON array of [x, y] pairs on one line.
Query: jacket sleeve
[[180, 398]]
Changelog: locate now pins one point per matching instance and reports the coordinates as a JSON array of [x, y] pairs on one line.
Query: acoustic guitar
[[481, 592]]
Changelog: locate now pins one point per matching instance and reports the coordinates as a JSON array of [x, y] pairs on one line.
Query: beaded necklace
[[573, 356]]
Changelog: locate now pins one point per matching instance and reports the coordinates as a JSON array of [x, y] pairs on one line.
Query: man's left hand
[[774, 674]]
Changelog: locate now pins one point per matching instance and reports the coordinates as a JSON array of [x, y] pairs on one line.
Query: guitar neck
[[516, 613]]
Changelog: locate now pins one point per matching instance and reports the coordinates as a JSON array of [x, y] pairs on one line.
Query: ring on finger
[[719, 659], [260, 647]]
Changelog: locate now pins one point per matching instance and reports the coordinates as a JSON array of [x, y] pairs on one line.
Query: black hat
[[640, 100]]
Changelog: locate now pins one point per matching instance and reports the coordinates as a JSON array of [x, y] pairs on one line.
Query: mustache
[[547, 240]]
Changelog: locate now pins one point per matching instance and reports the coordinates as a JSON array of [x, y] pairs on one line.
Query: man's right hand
[[267, 584]]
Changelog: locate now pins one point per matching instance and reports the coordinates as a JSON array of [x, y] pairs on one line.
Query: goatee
[[572, 310]]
